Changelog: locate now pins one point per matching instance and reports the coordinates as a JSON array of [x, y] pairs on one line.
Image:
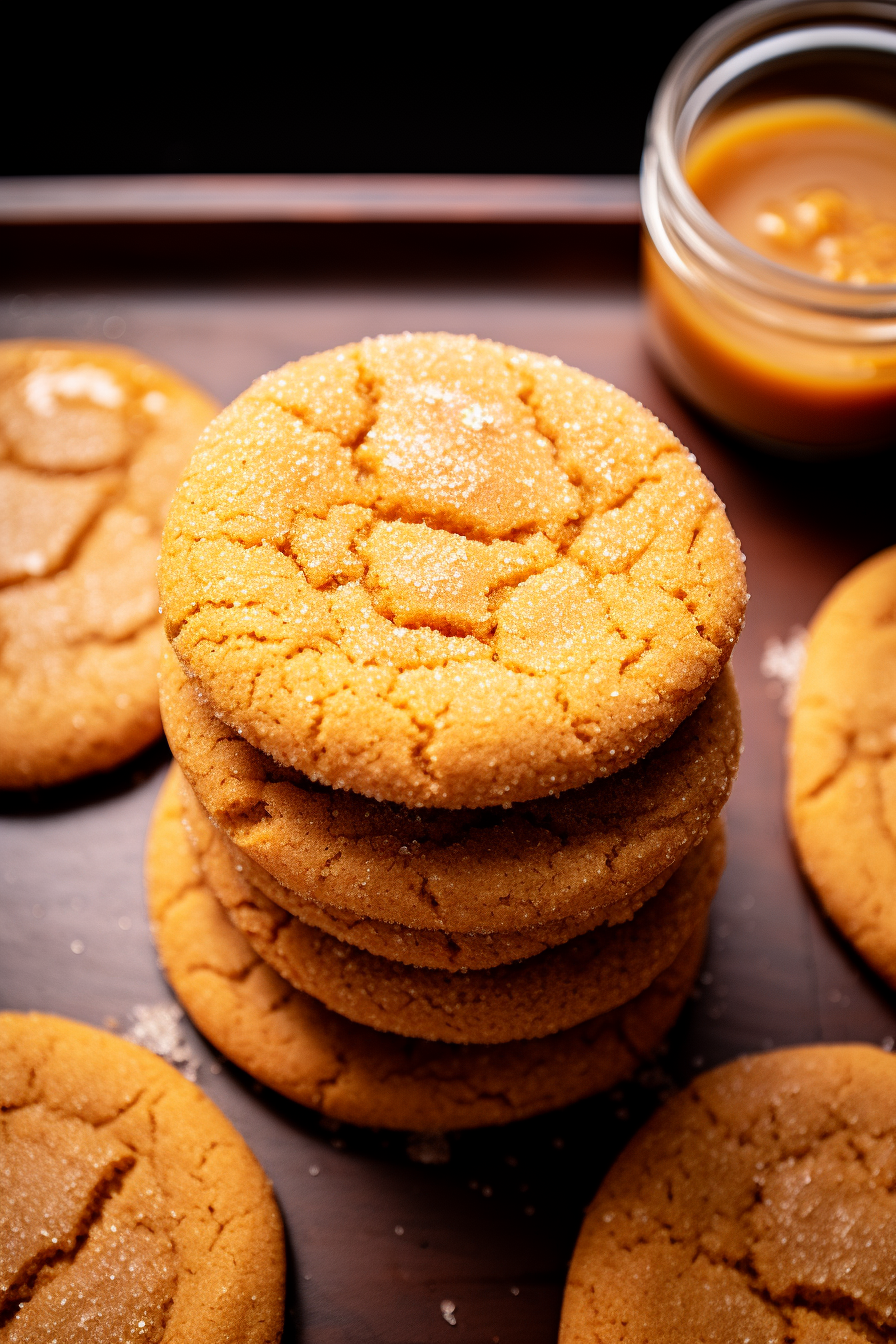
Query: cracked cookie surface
[[465, 871], [93, 440], [131, 1209], [842, 778], [757, 1205], [294, 1044], [556, 989], [444, 572]]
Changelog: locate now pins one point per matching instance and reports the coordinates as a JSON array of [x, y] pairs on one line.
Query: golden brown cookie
[[228, 866], [463, 871], [131, 1209], [448, 573], [757, 1206], [842, 784], [297, 1046], [544, 994], [93, 439]]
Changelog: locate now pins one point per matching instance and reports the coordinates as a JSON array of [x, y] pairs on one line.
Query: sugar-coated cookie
[[842, 784], [228, 866], [544, 994], [756, 1206], [483, 870], [444, 572], [93, 440], [294, 1044], [131, 1209]]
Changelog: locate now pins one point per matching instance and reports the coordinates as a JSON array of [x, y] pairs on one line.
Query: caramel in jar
[[810, 185]]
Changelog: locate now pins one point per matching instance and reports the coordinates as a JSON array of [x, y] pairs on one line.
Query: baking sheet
[[384, 1228]]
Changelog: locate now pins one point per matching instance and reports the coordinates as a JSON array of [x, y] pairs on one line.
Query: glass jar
[[784, 359]]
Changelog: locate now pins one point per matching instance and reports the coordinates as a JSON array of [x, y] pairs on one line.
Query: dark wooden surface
[[491, 1229]]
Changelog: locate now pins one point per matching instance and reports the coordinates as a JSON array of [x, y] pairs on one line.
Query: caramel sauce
[[809, 184]]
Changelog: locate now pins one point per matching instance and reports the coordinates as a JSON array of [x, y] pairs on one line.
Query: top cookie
[[131, 1209], [758, 1205], [93, 439], [842, 783], [444, 572]]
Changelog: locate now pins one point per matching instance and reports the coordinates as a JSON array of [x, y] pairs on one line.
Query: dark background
[[326, 88]]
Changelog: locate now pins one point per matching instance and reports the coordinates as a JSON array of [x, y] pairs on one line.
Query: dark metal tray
[[379, 1238]]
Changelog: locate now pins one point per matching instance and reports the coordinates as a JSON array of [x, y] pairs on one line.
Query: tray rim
[[323, 198]]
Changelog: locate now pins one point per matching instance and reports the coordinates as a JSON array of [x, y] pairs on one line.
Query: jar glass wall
[[787, 359]]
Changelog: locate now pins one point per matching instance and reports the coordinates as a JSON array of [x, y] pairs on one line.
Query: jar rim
[[745, 39]]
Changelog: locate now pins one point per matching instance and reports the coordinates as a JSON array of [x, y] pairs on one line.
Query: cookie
[[228, 866], [447, 573], [757, 1205], [93, 440], [484, 870], [131, 1209], [294, 1044], [842, 777], [544, 994]]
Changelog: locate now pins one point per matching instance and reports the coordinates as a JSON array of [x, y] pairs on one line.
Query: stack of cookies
[[447, 691]]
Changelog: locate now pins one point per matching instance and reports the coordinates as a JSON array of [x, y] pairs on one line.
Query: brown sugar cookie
[[842, 783], [228, 867], [131, 1209], [448, 573], [484, 870], [294, 1044], [758, 1205], [93, 439], [544, 994]]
